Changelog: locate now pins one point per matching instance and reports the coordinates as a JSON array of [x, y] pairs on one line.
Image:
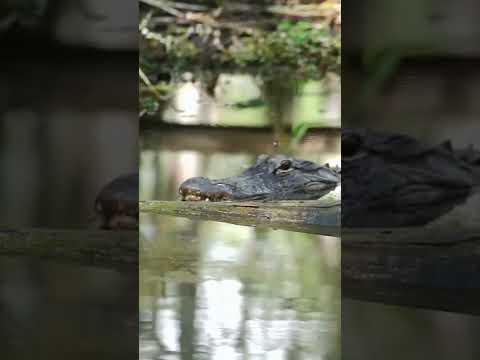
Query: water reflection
[[221, 291], [244, 100]]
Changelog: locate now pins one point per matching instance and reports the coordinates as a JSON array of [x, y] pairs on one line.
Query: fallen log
[[312, 216], [86, 246], [421, 267]]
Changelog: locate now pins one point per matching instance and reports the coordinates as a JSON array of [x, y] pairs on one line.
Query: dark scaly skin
[[389, 180], [277, 177], [394, 180], [116, 204]]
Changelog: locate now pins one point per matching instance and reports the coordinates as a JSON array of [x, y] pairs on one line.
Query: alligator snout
[[203, 189], [274, 178]]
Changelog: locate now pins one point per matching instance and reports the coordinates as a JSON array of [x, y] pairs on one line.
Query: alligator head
[[116, 204], [394, 180], [276, 177]]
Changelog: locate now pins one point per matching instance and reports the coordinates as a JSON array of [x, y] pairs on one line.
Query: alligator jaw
[[203, 189], [271, 178], [196, 196], [192, 197], [189, 192]]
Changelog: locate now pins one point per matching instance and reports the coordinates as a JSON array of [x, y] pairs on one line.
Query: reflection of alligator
[[117, 203], [271, 178], [394, 180]]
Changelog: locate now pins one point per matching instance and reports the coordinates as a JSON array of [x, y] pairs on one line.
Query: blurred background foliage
[[276, 41]]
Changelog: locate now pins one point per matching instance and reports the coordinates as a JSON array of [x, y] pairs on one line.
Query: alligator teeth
[[192, 197], [196, 197], [202, 197]]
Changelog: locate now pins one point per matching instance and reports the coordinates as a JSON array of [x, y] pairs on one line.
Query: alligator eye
[[352, 150], [284, 167], [349, 149], [285, 164]]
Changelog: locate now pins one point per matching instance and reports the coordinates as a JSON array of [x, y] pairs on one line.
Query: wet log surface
[[428, 268], [85, 246], [314, 216]]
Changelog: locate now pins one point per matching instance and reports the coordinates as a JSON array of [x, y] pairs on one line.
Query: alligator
[[116, 205], [277, 177], [392, 180], [389, 180]]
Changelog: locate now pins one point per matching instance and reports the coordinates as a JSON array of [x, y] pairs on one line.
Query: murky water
[[220, 291], [52, 310], [66, 129], [378, 331]]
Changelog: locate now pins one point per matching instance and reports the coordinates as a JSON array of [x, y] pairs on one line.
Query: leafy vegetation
[[305, 47], [295, 40]]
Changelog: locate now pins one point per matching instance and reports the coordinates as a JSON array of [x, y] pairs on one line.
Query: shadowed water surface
[[66, 129], [53, 310]]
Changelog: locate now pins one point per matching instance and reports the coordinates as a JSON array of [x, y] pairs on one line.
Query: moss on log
[[313, 216], [85, 246]]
